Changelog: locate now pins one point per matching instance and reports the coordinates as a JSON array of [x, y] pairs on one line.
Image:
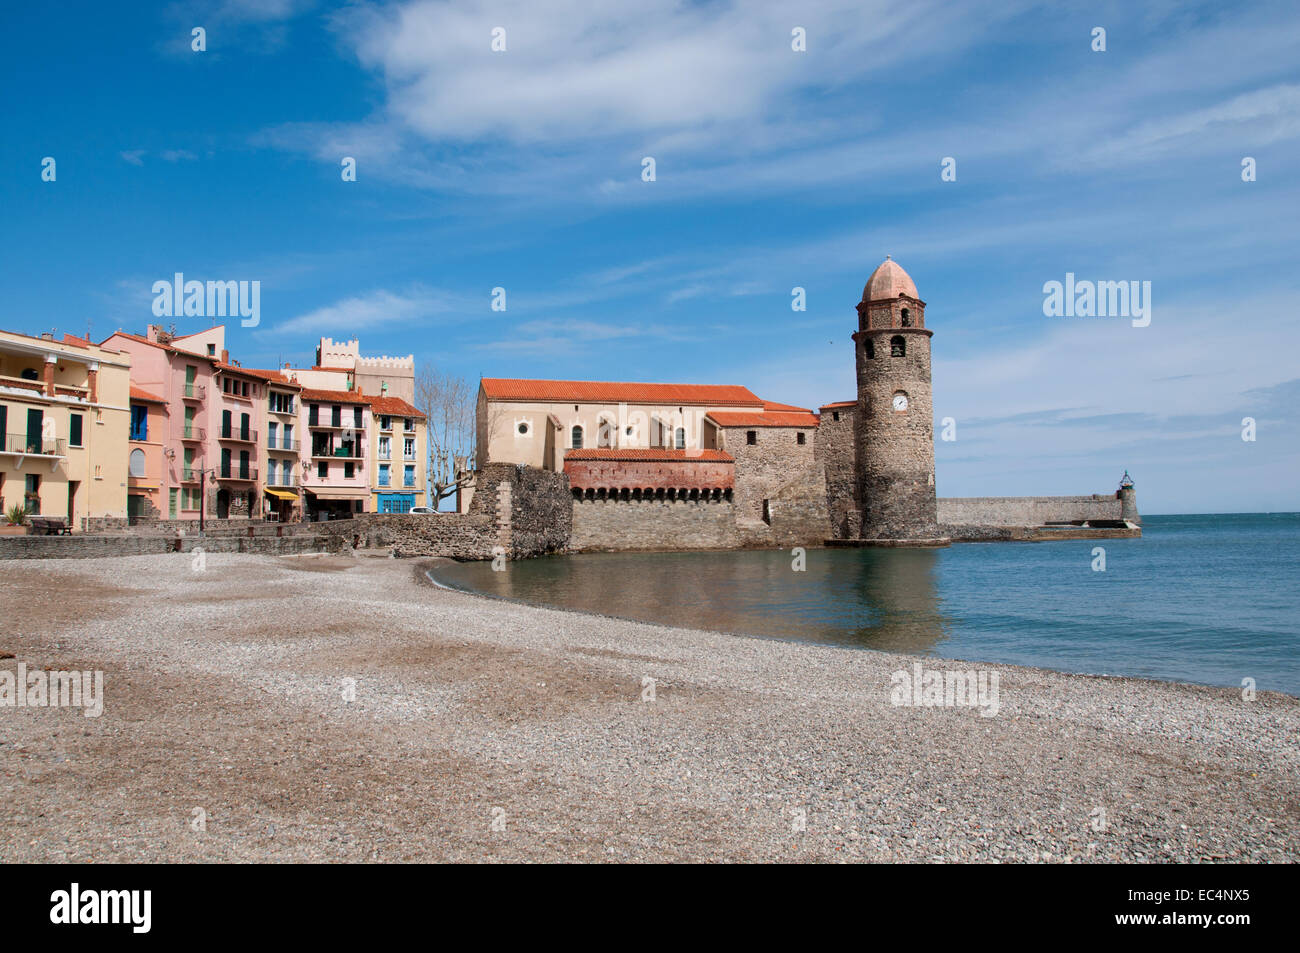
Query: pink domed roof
[[889, 281]]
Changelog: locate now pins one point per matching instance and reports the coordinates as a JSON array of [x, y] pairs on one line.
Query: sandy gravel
[[225, 693]]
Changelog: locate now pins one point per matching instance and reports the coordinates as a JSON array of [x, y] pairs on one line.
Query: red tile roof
[[143, 395], [652, 453], [773, 405], [614, 392], [393, 407], [724, 418], [165, 347], [275, 377], [838, 404], [337, 396]]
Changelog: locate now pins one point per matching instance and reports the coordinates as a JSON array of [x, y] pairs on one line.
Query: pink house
[[183, 380], [335, 425]]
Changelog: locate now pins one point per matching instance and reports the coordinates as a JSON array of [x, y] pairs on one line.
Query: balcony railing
[[243, 436], [195, 434], [288, 479], [237, 473], [19, 443], [289, 445], [189, 474], [194, 392]]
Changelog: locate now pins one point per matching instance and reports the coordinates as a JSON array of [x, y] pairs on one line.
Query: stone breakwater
[[590, 738]]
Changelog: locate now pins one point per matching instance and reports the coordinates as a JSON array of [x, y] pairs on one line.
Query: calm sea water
[[1209, 599]]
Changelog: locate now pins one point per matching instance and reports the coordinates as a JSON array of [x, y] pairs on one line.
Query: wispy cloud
[[376, 309]]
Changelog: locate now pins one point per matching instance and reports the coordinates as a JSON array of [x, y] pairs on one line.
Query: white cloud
[[380, 308]]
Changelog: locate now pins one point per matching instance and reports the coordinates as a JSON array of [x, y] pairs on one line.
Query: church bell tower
[[894, 422]]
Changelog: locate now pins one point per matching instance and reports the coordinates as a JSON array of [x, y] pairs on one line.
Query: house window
[[385, 423], [385, 447], [137, 463], [751, 437], [408, 448], [409, 425], [835, 415], [681, 438], [271, 428], [74, 428], [244, 472], [897, 346], [408, 476], [288, 436], [576, 436], [383, 474], [523, 428], [32, 498], [349, 470], [336, 416], [323, 470], [313, 415], [270, 472], [357, 421], [139, 424], [212, 350], [799, 439]]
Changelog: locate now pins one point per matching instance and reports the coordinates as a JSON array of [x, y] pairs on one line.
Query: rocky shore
[[341, 708]]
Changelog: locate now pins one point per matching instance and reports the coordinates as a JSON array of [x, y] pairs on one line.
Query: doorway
[[223, 504], [73, 486]]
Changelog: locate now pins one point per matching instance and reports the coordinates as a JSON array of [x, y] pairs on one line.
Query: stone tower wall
[[837, 452], [895, 450]]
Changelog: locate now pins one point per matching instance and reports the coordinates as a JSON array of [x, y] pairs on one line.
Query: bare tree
[[447, 403]]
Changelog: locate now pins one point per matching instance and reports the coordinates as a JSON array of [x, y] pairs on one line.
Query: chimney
[[225, 356]]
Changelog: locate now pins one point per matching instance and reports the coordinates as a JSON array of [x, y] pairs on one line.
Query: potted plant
[[15, 516]]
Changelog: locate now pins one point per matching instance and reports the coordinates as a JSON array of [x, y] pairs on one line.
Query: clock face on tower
[[900, 402]]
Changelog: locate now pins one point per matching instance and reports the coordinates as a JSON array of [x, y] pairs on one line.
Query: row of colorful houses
[[165, 426]]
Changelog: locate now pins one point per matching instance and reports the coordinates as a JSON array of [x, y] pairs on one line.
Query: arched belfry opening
[[898, 346]]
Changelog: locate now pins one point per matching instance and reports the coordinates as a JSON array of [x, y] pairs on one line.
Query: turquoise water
[[1209, 599]]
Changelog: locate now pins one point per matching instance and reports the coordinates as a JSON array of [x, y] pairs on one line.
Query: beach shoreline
[[486, 729]]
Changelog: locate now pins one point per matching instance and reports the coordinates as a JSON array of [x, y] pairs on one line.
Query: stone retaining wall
[[86, 546], [650, 525], [989, 511]]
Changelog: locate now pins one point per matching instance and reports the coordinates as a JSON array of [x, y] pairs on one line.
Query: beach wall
[[92, 547], [516, 512]]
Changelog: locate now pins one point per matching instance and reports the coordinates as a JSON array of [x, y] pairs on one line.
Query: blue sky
[[774, 169]]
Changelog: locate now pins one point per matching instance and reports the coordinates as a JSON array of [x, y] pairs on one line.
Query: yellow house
[[398, 451], [65, 411]]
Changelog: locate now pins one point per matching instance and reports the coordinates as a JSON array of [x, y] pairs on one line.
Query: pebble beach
[[344, 708]]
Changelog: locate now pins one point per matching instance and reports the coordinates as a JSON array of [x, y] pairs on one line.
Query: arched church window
[[897, 346], [681, 438], [871, 349], [576, 437], [137, 463], [907, 318]]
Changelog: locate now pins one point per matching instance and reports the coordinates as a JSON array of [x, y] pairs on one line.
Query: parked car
[[422, 509]]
